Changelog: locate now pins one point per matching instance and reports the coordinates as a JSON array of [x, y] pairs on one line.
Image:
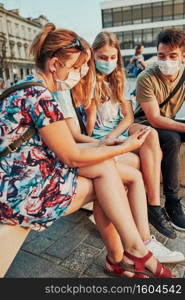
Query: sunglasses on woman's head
[[75, 44]]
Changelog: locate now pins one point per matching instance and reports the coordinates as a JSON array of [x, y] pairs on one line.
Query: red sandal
[[139, 269], [117, 269]]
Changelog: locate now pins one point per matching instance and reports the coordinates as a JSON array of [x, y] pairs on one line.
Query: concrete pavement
[[72, 247]]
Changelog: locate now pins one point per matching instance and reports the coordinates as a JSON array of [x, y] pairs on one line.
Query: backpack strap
[[31, 131], [18, 87], [81, 123], [141, 113]]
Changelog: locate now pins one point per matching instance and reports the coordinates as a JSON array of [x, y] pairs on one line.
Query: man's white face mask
[[169, 67]]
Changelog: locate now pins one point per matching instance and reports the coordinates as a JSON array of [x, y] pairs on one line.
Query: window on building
[[156, 32], [147, 13], [117, 16], [119, 36], [7, 73], [22, 73], [137, 14], [29, 34], [137, 37], [179, 7], [1, 24], [17, 30], [19, 45], [127, 40], [127, 15], [23, 31], [168, 10], [107, 17], [9, 27], [157, 11], [34, 33], [147, 37]]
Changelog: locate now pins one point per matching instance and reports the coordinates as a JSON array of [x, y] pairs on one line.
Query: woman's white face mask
[[72, 79], [169, 67]]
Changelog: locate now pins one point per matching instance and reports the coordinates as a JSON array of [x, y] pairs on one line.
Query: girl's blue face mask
[[106, 67]]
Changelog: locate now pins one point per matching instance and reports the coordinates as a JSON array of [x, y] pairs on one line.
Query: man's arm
[[152, 112], [146, 98]]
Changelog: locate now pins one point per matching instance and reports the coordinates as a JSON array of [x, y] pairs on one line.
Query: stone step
[[11, 239]]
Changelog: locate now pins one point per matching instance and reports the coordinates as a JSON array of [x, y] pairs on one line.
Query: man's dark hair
[[175, 38]]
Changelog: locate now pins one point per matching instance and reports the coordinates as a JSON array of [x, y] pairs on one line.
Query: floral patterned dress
[[35, 186]]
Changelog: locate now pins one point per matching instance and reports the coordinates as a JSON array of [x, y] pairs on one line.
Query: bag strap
[[81, 123], [18, 87], [180, 82], [31, 131]]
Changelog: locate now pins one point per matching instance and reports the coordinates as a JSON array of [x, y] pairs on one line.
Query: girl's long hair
[[116, 78], [50, 42]]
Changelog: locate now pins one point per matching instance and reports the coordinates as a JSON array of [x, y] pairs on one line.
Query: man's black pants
[[170, 142]]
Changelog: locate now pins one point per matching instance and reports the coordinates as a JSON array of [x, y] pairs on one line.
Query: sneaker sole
[[177, 227], [171, 262]]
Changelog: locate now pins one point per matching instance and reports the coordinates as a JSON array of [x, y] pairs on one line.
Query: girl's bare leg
[[150, 157]]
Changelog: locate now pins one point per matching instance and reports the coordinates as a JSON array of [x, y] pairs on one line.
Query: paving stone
[[58, 229], [100, 259], [38, 245], [51, 258], [77, 216], [176, 245], [27, 265], [80, 258], [176, 269], [94, 239], [181, 235], [31, 236], [95, 271], [63, 247]]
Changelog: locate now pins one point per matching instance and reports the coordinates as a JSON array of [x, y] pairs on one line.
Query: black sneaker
[[176, 214], [158, 218]]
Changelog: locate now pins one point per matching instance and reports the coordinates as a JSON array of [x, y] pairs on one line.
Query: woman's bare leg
[[130, 159], [114, 203], [150, 158], [137, 198], [138, 204]]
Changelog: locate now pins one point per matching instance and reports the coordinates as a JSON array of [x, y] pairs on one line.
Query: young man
[[154, 85]]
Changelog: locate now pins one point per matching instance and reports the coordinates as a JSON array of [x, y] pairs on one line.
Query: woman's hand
[[110, 142], [136, 140]]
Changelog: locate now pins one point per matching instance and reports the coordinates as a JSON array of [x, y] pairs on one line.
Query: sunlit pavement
[[72, 247]]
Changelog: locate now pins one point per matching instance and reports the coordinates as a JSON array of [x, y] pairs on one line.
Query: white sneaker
[[163, 254]]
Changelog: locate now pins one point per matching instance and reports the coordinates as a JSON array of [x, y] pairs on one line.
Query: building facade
[[16, 35], [139, 22]]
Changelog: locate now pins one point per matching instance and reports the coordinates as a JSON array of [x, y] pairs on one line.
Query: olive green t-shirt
[[151, 86]]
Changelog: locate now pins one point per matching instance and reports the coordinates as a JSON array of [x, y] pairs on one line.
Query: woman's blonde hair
[[50, 42], [116, 78]]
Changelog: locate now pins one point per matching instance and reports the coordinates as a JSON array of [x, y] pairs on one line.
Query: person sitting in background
[[137, 63]]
